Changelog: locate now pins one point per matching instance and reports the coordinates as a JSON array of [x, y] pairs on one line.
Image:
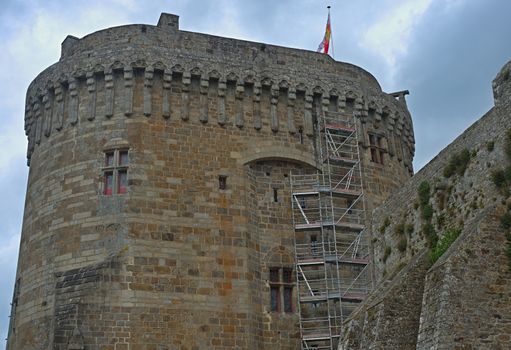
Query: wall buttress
[[274, 118], [291, 97], [91, 88], [307, 115], [185, 98], [109, 94], [148, 84], [128, 91], [257, 106], [59, 110], [73, 101], [38, 120], [204, 88], [48, 102], [167, 79], [240, 90], [222, 87]]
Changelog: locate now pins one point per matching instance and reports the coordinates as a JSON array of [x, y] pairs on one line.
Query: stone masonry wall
[[190, 257], [466, 292]]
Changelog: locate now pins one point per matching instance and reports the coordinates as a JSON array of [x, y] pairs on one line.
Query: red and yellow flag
[[325, 44]]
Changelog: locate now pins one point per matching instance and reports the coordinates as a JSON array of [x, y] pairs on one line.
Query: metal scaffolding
[[331, 253]]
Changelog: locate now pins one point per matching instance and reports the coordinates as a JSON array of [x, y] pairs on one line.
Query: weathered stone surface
[[466, 293], [177, 262]]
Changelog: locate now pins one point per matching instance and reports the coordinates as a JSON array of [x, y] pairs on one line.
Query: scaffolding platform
[[318, 224], [328, 218]]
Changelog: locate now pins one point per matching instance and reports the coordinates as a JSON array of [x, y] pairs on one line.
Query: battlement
[[180, 69]]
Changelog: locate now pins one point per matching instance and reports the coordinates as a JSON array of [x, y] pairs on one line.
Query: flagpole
[[331, 34]]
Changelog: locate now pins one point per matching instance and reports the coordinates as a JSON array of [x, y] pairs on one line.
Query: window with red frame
[[115, 172], [281, 289]]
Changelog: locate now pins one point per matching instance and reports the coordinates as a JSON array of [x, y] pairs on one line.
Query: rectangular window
[[287, 276], [122, 182], [376, 148], [288, 299], [275, 195], [109, 183], [115, 172], [275, 299], [123, 158], [274, 275], [109, 159], [281, 289]]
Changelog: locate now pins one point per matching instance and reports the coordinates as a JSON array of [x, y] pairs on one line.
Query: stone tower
[[158, 211]]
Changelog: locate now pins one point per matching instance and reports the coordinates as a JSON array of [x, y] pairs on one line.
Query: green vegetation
[[384, 225], [409, 228], [386, 253], [427, 212], [402, 244], [502, 180], [428, 231], [443, 244], [424, 193], [505, 221], [400, 229], [458, 163]]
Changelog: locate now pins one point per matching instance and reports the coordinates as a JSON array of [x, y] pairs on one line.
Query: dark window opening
[[222, 182], [376, 148], [275, 195], [287, 275], [300, 134], [274, 275], [288, 299], [275, 299]]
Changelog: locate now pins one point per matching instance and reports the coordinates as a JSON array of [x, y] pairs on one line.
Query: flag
[[325, 44]]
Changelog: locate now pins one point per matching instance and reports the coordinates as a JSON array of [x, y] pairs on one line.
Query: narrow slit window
[[300, 134], [222, 182], [275, 195]]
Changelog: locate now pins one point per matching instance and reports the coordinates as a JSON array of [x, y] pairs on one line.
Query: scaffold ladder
[[331, 252]]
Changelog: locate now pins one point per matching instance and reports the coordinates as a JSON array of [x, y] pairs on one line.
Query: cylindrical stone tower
[[158, 201]]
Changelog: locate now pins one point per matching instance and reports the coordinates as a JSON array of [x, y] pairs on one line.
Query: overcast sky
[[446, 52]]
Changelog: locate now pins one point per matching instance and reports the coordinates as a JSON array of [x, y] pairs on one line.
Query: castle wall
[[177, 262], [466, 292]]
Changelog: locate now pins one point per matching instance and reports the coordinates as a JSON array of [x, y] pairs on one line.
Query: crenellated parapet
[[233, 83]]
